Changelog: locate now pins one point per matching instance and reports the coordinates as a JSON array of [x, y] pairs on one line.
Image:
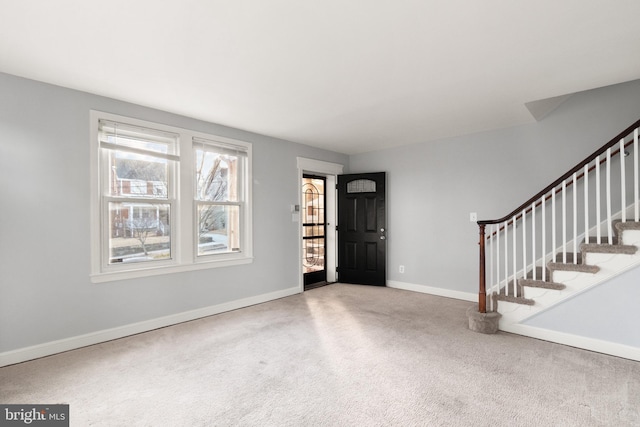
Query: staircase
[[580, 231]]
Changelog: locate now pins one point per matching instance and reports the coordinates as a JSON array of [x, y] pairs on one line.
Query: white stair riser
[[631, 237]]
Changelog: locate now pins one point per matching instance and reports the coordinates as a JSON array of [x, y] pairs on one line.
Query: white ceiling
[[346, 75]]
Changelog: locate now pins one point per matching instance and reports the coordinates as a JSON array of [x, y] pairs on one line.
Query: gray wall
[[45, 291], [432, 187], [586, 315]]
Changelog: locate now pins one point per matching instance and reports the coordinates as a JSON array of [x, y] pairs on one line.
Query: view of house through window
[[139, 232], [138, 175]]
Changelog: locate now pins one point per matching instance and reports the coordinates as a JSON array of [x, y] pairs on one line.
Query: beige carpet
[[340, 355]]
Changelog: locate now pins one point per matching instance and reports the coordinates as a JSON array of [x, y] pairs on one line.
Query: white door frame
[[330, 171]]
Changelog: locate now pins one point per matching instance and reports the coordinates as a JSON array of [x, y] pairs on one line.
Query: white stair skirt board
[[441, 292], [72, 343]]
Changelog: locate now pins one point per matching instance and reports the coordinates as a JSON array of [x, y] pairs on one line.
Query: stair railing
[[550, 225]]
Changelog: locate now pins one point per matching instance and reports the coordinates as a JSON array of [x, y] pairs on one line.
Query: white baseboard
[[586, 343], [592, 344], [441, 292], [72, 343]]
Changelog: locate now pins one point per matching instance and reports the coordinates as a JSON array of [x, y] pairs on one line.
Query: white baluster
[[564, 221], [574, 191], [636, 183], [544, 240], [586, 203], [608, 191], [491, 266], [497, 231], [553, 225], [515, 255], [598, 228], [524, 244], [623, 183], [533, 238], [506, 257]]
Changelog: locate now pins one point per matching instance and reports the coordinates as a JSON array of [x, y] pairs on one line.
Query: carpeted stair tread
[[541, 284], [629, 225], [582, 268], [514, 299], [608, 249]]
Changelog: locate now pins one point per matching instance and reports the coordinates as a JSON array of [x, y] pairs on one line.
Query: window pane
[[135, 175], [313, 200], [216, 176], [313, 231], [313, 255], [361, 186], [218, 229], [139, 232]]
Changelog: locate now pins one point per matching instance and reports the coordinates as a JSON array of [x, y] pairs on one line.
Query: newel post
[[479, 319], [482, 293]]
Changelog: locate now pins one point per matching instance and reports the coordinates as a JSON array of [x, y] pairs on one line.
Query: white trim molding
[[441, 292], [586, 343], [319, 166], [73, 343]]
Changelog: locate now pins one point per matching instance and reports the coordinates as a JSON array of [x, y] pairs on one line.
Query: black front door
[[362, 229]]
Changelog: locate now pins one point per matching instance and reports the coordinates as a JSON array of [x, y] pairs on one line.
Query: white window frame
[[184, 233], [221, 146]]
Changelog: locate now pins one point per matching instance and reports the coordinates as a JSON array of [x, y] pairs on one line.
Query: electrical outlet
[[401, 269], [473, 217]]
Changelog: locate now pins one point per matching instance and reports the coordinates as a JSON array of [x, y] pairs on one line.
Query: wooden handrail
[[558, 190], [517, 211]]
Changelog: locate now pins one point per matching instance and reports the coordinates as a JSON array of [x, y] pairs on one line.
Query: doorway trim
[[330, 171]]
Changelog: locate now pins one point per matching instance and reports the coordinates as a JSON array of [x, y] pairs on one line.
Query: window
[[361, 186], [143, 178], [219, 196]]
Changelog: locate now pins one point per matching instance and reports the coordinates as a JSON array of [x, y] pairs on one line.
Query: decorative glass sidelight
[[313, 226]]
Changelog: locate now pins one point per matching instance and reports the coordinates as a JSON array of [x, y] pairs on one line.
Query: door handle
[[382, 237]]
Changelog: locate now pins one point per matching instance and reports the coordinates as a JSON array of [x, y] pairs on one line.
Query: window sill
[[113, 276]]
